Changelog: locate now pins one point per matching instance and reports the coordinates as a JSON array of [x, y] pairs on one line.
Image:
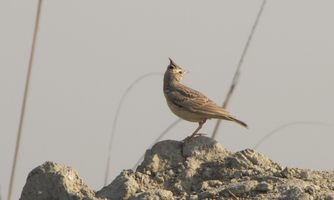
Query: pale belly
[[183, 114]]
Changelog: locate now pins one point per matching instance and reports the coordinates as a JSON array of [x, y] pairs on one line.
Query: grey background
[[88, 52]]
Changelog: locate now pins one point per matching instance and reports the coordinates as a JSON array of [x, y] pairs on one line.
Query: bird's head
[[175, 72]]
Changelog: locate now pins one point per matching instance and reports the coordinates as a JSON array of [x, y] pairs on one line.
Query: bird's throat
[[170, 81]]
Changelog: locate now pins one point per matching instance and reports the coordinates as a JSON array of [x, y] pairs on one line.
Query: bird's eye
[[180, 72], [171, 67]]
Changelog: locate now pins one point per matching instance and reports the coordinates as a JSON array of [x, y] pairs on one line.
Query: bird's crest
[[171, 62]]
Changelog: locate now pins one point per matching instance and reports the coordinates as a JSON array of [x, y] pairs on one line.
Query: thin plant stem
[[114, 124], [284, 126], [235, 79], [24, 101]]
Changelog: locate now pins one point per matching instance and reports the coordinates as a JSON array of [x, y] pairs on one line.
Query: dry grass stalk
[[237, 72], [24, 101], [114, 124]]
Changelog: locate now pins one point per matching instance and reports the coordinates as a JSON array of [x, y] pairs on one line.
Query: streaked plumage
[[188, 103]]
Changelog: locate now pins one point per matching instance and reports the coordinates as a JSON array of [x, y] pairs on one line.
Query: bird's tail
[[239, 122]]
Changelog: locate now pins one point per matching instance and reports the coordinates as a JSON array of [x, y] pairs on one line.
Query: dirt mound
[[198, 169]]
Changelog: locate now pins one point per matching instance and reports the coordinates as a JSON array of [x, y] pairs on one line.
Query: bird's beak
[[185, 71]]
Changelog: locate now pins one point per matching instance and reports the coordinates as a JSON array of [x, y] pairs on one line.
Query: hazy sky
[[88, 52]]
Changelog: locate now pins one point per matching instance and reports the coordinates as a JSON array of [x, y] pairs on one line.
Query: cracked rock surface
[[197, 169]]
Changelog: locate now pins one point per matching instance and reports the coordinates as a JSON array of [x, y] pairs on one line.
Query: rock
[[197, 169], [264, 187], [204, 148], [154, 195], [55, 181], [295, 193], [249, 159], [163, 155], [329, 196], [207, 195], [193, 197], [240, 189], [123, 187]]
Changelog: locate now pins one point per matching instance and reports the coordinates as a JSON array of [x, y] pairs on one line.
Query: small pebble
[[264, 187]]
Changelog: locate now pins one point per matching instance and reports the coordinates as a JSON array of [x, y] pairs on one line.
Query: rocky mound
[[198, 169]]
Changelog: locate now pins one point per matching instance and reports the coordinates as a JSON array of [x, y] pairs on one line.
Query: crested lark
[[190, 104]]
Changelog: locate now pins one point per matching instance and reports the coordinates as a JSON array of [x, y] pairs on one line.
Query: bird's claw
[[193, 136]]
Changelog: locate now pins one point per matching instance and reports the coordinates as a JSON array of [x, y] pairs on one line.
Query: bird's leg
[[195, 133], [200, 125]]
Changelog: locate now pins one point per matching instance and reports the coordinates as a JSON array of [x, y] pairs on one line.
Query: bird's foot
[[193, 136]]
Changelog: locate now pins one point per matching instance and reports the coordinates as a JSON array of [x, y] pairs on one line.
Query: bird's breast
[[183, 113]]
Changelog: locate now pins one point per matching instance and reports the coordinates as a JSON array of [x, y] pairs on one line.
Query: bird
[[189, 104]]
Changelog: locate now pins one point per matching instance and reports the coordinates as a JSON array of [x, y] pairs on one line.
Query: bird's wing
[[194, 101]]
